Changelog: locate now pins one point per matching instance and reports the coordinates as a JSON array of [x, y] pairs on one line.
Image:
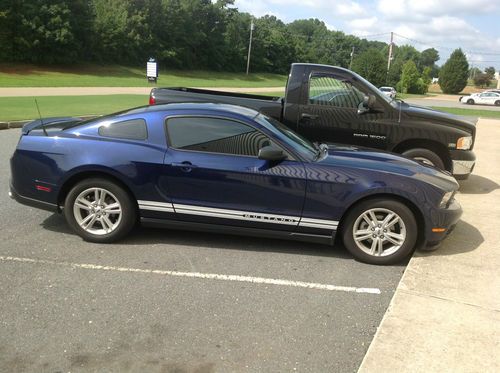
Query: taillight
[[152, 100]]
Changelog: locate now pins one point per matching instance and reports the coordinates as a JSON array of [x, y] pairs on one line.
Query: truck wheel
[[470, 101], [426, 156], [380, 231], [99, 211]]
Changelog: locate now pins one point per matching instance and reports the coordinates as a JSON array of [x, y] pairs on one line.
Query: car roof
[[205, 106]]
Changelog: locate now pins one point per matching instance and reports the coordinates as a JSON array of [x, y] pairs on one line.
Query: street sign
[[152, 70]]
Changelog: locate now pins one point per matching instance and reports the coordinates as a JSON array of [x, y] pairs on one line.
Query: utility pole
[[250, 46], [389, 59], [352, 56]]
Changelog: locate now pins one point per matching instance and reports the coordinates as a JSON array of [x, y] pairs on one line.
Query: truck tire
[[426, 156]]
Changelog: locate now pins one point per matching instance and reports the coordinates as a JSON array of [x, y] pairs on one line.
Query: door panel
[[216, 177], [331, 114]]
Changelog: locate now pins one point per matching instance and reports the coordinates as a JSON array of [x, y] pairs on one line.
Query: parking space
[[178, 301]]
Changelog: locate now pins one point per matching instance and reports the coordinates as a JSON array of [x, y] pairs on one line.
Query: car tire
[[99, 210], [470, 101], [380, 236], [497, 103], [426, 156]]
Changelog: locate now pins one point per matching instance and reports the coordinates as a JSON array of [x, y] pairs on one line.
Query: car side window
[[215, 135], [325, 89], [133, 129]]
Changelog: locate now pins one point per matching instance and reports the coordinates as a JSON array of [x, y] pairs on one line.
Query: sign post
[[152, 70]]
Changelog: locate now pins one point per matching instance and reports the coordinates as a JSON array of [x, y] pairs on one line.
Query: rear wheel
[[425, 156], [497, 103], [99, 210], [380, 231], [470, 101]]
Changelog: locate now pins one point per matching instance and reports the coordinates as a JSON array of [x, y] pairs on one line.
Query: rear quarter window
[[133, 129]]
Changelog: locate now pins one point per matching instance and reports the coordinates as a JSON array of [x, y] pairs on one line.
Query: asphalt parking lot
[[171, 301]]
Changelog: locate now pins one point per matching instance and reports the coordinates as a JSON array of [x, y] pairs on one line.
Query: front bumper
[[445, 219], [463, 162]]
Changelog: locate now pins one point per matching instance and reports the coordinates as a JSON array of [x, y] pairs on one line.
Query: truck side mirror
[[271, 153], [367, 104]]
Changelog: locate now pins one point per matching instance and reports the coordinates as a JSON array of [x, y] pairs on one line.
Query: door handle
[[185, 166], [309, 116]]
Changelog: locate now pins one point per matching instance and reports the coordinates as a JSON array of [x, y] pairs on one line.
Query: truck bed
[[268, 105]]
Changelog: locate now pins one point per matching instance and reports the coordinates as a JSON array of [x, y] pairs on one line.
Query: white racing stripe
[[239, 215], [207, 276]]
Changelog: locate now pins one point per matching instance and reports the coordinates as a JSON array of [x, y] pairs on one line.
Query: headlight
[[464, 143], [446, 199]]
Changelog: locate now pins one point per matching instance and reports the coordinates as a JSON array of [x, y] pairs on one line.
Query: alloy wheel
[[379, 232], [97, 211]]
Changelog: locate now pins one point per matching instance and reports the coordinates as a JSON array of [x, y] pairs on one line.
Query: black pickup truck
[[335, 105]]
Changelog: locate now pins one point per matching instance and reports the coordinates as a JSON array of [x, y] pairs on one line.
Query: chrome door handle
[[184, 166], [309, 116]]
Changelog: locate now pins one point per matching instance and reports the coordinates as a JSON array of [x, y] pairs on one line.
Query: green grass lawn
[[120, 76], [470, 112], [20, 108]]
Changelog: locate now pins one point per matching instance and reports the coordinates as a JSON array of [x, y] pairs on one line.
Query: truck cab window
[[332, 91]]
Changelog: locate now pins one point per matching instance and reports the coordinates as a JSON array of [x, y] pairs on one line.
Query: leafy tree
[[490, 71], [371, 64], [410, 82], [482, 80], [394, 73], [428, 58], [473, 71], [453, 74]]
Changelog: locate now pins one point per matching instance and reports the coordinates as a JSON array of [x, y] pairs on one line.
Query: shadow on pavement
[[154, 236], [476, 184], [463, 239]]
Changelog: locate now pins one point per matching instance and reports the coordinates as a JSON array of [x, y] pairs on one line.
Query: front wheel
[[99, 210], [425, 156], [380, 231], [470, 101]]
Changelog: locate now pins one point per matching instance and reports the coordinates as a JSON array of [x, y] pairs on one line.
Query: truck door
[[329, 113]]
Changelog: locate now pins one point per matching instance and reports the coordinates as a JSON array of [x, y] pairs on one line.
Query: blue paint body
[[323, 188]]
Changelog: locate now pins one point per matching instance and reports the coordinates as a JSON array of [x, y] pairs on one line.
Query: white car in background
[[484, 98], [388, 91]]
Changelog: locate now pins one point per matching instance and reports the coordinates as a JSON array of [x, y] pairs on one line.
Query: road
[[429, 101], [149, 303]]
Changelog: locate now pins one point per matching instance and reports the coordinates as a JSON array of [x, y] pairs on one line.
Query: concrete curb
[[445, 313]]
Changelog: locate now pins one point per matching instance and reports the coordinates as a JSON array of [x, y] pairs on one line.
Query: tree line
[[194, 34]]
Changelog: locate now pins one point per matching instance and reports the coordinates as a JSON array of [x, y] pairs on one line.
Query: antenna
[[41, 120]]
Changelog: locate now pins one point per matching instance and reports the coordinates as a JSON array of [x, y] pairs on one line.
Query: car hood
[[437, 117], [384, 162]]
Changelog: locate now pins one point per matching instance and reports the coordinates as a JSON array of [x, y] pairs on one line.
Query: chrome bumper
[[462, 167]]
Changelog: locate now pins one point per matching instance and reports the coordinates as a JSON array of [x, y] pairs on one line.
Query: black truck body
[[334, 105]]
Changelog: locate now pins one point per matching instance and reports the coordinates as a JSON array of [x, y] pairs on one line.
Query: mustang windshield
[[296, 141]]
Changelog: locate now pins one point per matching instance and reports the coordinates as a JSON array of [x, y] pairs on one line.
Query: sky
[[473, 25]]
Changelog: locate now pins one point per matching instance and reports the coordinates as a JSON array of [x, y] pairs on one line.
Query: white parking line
[[207, 276]]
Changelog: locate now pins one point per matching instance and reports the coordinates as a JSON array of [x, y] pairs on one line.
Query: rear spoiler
[[48, 122]]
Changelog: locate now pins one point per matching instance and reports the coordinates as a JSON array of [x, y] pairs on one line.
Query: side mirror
[[367, 104], [271, 153]]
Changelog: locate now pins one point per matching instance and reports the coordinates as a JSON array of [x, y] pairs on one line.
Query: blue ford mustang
[[230, 169]]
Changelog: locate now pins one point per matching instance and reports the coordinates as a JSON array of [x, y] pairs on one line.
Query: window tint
[[328, 90], [215, 136], [134, 129]]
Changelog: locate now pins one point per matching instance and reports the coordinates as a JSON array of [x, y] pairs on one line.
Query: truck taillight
[[152, 100]]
